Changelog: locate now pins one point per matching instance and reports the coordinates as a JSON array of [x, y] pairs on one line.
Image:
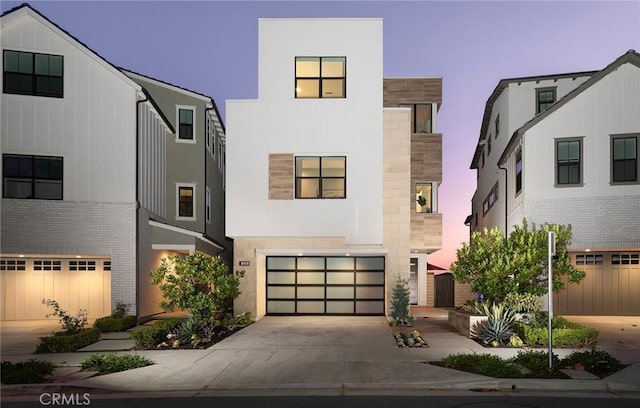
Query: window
[[106, 265], [625, 159], [421, 117], [186, 131], [545, 97], [425, 198], [476, 219], [489, 145], [518, 171], [26, 73], [497, 126], [321, 177], [47, 265], [185, 201], [568, 162], [491, 199], [38, 177], [208, 205], [482, 163], [625, 259], [82, 265], [12, 265], [320, 77], [588, 259]]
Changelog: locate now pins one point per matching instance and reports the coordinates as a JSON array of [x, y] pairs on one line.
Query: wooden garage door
[[611, 286], [74, 284], [325, 285]]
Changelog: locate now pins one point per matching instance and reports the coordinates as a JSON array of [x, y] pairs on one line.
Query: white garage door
[[74, 283], [331, 285]]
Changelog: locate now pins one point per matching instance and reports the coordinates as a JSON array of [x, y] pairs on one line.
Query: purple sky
[[212, 47]]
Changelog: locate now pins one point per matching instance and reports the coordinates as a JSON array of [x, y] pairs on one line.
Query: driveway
[[619, 335]]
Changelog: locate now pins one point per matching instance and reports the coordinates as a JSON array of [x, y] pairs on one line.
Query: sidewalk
[[313, 356]]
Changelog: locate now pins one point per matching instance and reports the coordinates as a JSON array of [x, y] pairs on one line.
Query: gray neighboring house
[[99, 179]]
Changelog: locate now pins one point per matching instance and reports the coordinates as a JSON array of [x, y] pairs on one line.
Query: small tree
[[400, 301], [495, 265], [197, 283]]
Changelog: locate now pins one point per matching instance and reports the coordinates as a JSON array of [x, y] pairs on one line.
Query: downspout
[[506, 201], [206, 134], [138, 204]]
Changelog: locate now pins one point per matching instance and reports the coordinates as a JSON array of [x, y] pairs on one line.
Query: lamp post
[[551, 252]]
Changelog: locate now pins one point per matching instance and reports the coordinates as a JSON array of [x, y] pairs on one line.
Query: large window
[[26, 73], [421, 117], [545, 97], [568, 162], [425, 198], [321, 77], [518, 171], [624, 159], [38, 177], [321, 177], [185, 201], [186, 132]]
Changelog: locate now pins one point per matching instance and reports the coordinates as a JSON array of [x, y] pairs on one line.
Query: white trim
[[166, 85], [208, 241], [193, 187], [325, 252], [175, 229], [194, 124], [171, 247]]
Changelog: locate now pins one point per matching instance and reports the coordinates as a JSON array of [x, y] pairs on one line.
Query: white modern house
[[321, 203], [564, 149], [91, 197]]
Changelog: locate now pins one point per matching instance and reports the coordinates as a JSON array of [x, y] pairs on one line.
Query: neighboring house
[[564, 149], [323, 181], [91, 179]]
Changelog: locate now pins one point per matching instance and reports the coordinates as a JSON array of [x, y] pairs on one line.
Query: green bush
[[484, 364], [115, 324], [566, 337], [523, 302], [113, 363], [150, 337], [25, 372], [537, 361], [61, 342], [596, 362]]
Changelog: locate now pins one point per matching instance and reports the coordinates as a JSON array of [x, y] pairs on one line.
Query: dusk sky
[[212, 47]]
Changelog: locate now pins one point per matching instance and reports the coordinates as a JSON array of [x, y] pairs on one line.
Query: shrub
[[537, 361], [25, 372], [115, 324], [523, 302], [400, 301], [596, 362], [569, 337], [484, 364], [63, 342], [150, 337], [113, 363], [69, 324], [497, 329], [120, 310]]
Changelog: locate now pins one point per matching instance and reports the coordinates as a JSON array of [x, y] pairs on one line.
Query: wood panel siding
[[281, 170], [426, 157], [411, 90]]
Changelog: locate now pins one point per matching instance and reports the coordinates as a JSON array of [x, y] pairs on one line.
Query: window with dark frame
[[568, 162], [625, 259], [320, 77], [497, 126], [185, 201], [321, 177], [624, 159], [421, 117], [489, 145], [32, 177], [491, 199], [27, 73], [185, 124], [12, 265], [545, 97], [518, 171], [589, 259]]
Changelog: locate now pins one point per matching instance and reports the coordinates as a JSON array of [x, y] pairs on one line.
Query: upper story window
[[426, 198], [186, 127], [185, 201], [321, 77], [321, 177], [27, 73], [26, 176], [489, 145], [497, 123], [518, 171], [491, 199], [545, 97], [569, 162], [624, 160], [421, 117]]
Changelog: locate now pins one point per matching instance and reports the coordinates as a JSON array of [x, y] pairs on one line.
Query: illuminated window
[[421, 119], [425, 198], [320, 77], [321, 177], [185, 201]]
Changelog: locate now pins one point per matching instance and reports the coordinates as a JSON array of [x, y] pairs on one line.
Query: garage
[[611, 286], [325, 285], [74, 283]]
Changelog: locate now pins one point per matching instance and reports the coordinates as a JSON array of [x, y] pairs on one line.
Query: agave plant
[[497, 329], [189, 328]]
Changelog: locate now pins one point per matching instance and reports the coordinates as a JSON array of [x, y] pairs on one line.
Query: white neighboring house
[[320, 194], [568, 145]]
